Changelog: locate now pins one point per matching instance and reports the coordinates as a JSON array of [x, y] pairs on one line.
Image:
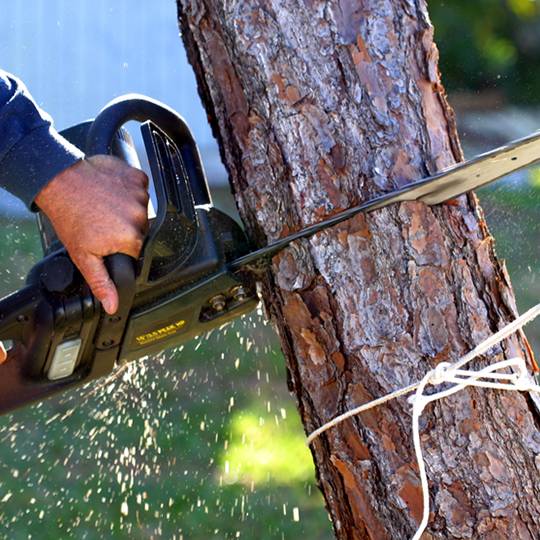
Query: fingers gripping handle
[[141, 108], [121, 268]]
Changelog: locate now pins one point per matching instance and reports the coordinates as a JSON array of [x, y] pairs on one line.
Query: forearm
[[31, 152]]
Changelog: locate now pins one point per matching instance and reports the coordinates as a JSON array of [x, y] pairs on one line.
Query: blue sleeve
[[31, 152]]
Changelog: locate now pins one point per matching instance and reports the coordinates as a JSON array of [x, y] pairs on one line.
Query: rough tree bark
[[319, 105]]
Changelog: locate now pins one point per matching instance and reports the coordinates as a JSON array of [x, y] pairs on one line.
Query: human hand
[[98, 207]]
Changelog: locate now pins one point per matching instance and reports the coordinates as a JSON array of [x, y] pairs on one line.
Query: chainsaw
[[196, 271]]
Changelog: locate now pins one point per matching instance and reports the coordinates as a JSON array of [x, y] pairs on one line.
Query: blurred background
[[204, 442]]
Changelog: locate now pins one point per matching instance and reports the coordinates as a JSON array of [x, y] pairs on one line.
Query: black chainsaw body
[[180, 287]]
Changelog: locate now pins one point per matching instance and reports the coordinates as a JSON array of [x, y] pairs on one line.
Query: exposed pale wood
[[318, 105]]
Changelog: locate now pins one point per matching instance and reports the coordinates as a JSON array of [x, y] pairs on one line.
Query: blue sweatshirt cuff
[[35, 160]]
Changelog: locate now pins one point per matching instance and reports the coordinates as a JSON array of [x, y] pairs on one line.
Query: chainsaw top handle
[[177, 195], [141, 108]]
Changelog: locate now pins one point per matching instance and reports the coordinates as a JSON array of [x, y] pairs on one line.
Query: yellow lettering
[[160, 333]]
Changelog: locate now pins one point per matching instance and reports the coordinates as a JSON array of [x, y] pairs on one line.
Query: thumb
[[3, 353], [95, 273]]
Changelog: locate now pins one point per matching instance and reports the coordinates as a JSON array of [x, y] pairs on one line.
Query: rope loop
[[494, 376]]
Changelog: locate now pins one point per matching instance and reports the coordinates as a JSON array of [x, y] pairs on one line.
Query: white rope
[[488, 377]]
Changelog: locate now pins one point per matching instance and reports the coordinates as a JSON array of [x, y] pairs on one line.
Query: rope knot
[[440, 373], [523, 381]]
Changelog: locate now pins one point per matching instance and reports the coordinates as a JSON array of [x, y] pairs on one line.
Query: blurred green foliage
[[489, 44], [513, 216], [261, 451]]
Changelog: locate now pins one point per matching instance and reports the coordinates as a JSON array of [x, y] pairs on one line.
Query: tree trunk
[[319, 105]]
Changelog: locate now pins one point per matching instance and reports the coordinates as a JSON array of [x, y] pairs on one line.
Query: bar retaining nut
[[218, 302], [239, 293]]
